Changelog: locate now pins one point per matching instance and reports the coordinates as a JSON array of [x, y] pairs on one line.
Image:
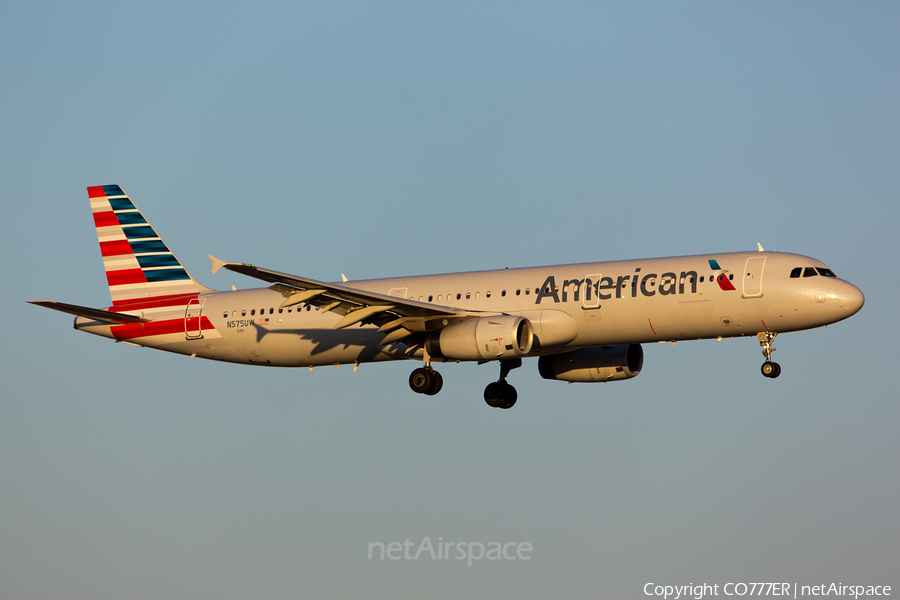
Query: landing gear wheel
[[500, 394], [771, 369], [422, 380], [438, 384], [493, 394], [511, 397]]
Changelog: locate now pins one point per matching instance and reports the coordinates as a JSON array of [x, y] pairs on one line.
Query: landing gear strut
[[769, 369], [500, 394]]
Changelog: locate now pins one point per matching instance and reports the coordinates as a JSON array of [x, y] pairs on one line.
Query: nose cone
[[850, 299]]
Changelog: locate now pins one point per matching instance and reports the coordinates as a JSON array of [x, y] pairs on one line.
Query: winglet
[[758, 245], [216, 263]]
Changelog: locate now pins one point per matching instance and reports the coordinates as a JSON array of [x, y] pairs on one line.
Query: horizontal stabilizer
[[90, 313]]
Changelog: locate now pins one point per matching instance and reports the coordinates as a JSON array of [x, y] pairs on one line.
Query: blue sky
[[383, 140]]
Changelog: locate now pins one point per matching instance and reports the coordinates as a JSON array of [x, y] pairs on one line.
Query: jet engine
[[485, 338], [598, 363]]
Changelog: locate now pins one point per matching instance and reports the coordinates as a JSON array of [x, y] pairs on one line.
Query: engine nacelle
[[599, 363], [487, 338]]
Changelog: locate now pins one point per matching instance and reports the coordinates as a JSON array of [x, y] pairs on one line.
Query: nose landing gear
[[500, 394], [769, 369]]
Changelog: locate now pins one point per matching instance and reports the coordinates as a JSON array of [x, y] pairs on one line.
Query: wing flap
[[359, 314]]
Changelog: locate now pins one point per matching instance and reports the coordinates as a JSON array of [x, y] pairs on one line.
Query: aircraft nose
[[850, 299]]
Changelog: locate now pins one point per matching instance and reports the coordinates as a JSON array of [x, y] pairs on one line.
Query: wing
[[399, 318]]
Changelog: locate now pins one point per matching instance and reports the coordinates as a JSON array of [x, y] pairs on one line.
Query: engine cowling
[[598, 363], [486, 338]]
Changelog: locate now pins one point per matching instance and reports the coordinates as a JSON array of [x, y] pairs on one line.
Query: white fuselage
[[569, 306]]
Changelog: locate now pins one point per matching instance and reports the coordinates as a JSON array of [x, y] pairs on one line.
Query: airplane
[[584, 322]]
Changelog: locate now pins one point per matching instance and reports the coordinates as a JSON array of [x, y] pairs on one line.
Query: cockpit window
[[809, 272], [795, 273], [826, 272]]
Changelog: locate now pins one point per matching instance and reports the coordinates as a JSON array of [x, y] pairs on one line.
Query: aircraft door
[[753, 274], [192, 316], [590, 298]]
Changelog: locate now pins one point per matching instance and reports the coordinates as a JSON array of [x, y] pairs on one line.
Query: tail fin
[[138, 263]]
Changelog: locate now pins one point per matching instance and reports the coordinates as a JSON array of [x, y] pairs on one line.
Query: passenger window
[[280, 311], [809, 272], [271, 311], [225, 316], [430, 298], [244, 313], [458, 296], [468, 295], [795, 273], [252, 312], [487, 294], [503, 293], [518, 292], [440, 296], [527, 291], [701, 279], [826, 272]]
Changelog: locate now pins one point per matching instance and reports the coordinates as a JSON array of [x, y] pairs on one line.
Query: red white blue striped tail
[[138, 263]]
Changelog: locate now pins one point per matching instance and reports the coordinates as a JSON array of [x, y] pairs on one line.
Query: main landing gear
[[769, 369], [500, 394], [426, 380]]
